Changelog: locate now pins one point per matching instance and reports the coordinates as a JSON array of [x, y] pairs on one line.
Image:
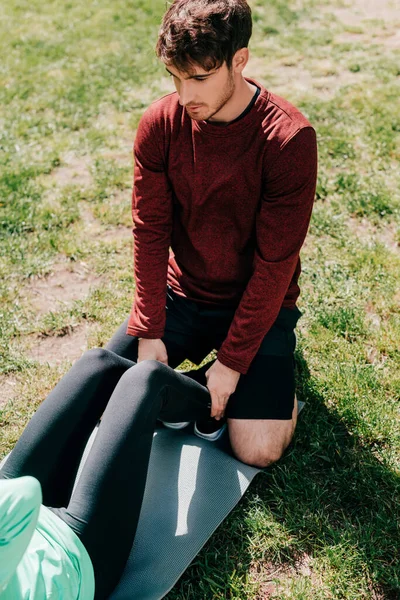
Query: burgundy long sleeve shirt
[[220, 213]]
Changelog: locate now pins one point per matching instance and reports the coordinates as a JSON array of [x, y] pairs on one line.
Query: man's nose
[[185, 95]]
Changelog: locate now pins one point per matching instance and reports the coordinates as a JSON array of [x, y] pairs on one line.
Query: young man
[[225, 175]]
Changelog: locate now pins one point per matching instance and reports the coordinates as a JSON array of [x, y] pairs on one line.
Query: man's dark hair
[[203, 32]]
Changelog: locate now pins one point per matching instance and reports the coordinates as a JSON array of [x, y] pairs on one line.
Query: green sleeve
[[20, 501]]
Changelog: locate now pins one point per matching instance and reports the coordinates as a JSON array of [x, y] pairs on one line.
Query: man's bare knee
[[259, 458], [260, 443]]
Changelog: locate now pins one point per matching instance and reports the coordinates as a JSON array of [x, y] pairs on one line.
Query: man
[[225, 175]]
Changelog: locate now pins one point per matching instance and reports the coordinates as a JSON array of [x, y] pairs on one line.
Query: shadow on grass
[[334, 500]]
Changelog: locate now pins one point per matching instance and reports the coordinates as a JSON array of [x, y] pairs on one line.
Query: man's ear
[[240, 60]]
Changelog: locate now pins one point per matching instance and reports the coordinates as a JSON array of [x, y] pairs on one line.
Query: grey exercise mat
[[192, 486]]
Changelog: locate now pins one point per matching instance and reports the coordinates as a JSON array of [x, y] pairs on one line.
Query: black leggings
[[105, 505]]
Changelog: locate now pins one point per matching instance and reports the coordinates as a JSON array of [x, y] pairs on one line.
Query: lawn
[[74, 80]]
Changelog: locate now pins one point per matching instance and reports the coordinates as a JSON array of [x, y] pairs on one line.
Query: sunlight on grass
[[74, 81]]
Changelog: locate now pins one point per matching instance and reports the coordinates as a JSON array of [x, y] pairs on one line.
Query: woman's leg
[[127, 346], [105, 505], [184, 337], [51, 446]]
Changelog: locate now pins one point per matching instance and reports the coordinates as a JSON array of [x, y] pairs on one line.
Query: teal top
[[41, 558]]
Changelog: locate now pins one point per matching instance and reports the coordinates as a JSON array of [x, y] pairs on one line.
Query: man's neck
[[241, 98]]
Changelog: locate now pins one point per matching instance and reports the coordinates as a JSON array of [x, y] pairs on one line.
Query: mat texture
[[191, 487]]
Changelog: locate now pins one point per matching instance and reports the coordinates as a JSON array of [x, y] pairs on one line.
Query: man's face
[[203, 93]]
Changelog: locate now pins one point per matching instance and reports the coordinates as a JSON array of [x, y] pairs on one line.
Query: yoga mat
[[192, 486]]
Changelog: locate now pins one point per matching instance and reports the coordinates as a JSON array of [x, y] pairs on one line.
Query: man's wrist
[[228, 369], [156, 334], [231, 364]]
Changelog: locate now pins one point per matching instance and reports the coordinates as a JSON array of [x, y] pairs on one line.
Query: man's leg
[[261, 442], [262, 413]]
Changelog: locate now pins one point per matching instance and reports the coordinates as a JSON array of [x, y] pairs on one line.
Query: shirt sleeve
[[281, 226], [152, 219], [20, 500]]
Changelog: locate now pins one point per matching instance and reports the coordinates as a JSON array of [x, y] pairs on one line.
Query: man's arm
[[152, 217], [281, 227]]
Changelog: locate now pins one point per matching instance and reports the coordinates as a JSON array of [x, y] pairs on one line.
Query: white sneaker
[[209, 430], [176, 425]]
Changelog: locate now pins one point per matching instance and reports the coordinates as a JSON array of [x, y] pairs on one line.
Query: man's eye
[[201, 79]]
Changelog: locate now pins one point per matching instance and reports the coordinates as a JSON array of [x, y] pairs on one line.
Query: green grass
[[74, 80]]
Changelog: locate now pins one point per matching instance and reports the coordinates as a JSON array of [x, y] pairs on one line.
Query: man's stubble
[[226, 95]]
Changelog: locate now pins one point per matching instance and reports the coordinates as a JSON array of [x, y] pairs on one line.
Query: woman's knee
[[153, 371], [146, 383], [99, 359], [155, 367], [97, 355]]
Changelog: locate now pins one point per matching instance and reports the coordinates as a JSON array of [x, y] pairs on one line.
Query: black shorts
[[193, 330]]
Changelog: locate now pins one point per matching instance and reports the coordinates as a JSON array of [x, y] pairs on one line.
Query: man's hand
[[152, 350], [221, 383]]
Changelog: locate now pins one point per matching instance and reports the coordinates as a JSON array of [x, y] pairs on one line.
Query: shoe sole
[[175, 425], [211, 437]]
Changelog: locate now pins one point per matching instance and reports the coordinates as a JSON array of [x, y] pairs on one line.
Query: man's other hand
[[152, 350], [221, 383]]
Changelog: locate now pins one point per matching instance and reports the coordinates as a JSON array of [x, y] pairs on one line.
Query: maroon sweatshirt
[[234, 203]]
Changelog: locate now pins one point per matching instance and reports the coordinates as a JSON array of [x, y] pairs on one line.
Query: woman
[[75, 545]]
